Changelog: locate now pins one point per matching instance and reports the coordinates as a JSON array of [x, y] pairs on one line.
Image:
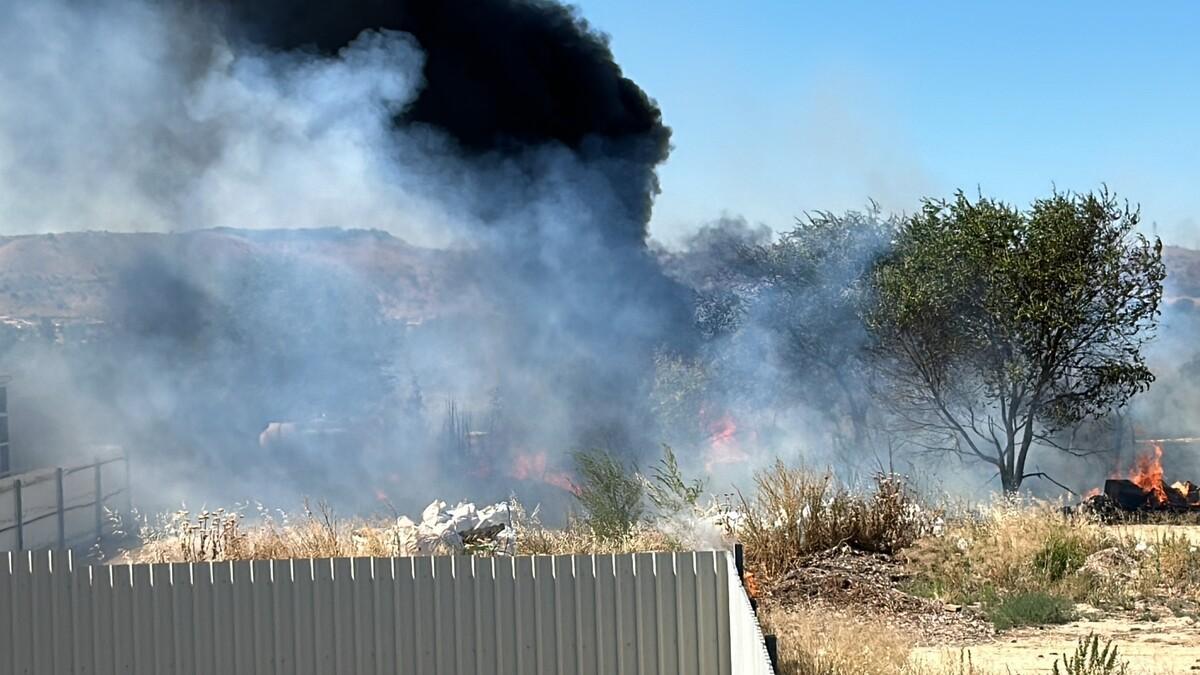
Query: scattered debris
[[870, 583], [447, 530], [1110, 565]]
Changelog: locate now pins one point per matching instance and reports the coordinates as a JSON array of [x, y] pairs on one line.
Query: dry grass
[[534, 538], [1007, 548], [1011, 550], [222, 535], [795, 512], [824, 642], [821, 641], [230, 535]]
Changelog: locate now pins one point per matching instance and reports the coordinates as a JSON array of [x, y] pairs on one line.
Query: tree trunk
[[1010, 481]]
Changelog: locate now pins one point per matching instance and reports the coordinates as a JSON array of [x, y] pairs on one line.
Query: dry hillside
[[79, 276]]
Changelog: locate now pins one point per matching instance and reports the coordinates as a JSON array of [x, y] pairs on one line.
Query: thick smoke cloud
[[502, 132], [502, 77]]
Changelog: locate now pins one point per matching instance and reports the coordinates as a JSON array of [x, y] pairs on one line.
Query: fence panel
[[649, 613], [748, 650], [61, 507]]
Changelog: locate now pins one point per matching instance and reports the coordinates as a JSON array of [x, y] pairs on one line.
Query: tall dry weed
[[795, 512], [220, 535]]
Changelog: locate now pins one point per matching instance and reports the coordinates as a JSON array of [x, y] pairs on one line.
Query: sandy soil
[[1152, 533], [1169, 645]]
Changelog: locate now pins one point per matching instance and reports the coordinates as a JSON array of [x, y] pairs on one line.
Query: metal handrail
[[43, 475], [97, 499], [54, 511]]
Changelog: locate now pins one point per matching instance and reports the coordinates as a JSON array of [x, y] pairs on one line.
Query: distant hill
[[1183, 273], [77, 277]]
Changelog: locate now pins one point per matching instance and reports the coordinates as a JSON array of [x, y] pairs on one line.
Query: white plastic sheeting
[[446, 530]]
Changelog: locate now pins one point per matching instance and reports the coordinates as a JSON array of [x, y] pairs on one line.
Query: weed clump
[[609, 493], [796, 512], [1060, 556], [1091, 659], [1033, 608]]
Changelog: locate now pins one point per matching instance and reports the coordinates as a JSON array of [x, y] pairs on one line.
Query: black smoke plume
[[500, 76]]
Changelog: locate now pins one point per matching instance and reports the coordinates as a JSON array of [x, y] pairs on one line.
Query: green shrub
[[1059, 557], [609, 493], [1030, 609], [1092, 659], [668, 489]]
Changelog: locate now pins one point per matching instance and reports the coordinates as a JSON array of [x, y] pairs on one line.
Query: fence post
[[19, 514], [99, 501], [62, 514]]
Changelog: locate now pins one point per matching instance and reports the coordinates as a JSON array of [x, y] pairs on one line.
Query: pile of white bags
[[446, 531]]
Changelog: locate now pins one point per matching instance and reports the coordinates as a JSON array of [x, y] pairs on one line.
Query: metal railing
[[32, 499]]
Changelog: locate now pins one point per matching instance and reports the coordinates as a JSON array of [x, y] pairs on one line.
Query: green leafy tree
[[677, 396], [997, 328], [804, 293]]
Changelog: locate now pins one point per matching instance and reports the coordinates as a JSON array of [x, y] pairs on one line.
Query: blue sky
[[782, 107]]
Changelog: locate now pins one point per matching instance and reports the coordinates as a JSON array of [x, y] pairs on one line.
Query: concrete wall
[[644, 613]]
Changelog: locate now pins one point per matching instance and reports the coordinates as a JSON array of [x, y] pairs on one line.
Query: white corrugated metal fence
[[642, 613]]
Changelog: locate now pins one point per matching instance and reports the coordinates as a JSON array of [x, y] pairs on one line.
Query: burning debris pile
[[1145, 490], [445, 530]]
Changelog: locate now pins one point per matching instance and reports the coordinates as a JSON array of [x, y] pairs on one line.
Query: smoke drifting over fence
[[501, 132]]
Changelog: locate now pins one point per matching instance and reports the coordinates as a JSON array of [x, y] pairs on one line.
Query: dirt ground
[[1168, 645], [1152, 533]]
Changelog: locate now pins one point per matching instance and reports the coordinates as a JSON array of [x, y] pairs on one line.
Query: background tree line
[[972, 328]]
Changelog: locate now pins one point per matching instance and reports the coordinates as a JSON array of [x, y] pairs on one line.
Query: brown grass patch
[[819, 640], [534, 538], [795, 512], [221, 535]]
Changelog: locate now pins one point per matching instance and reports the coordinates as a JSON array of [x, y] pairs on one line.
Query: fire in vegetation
[[1146, 489], [533, 466], [723, 444]]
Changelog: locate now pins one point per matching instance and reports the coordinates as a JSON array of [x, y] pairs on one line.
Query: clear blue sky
[[781, 107]]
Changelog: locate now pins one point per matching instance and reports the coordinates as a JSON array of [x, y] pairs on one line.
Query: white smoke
[[137, 116], [129, 116]]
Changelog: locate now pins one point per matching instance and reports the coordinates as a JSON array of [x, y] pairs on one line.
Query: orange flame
[[751, 585], [532, 466], [1148, 475], [723, 447]]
